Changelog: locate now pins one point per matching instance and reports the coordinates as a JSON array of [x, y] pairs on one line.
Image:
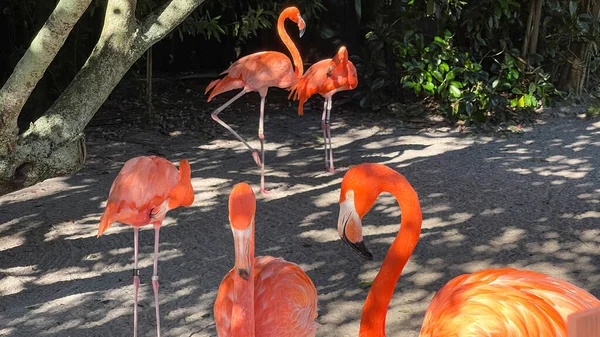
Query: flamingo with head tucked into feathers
[[142, 194], [326, 78]]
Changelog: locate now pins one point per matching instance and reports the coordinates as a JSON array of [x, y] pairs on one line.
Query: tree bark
[[54, 145], [33, 64]]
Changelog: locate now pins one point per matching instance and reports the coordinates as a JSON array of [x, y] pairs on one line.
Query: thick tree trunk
[[54, 145], [32, 66]]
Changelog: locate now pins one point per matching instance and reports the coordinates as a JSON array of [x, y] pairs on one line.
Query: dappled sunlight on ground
[[528, 201]]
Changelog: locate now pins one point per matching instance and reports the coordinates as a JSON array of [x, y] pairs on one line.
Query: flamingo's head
[[293, 14], [242, 207], [361, 186]]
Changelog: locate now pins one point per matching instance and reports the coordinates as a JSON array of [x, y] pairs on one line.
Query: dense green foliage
[[473, 58]]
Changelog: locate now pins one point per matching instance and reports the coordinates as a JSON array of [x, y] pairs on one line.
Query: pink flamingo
[[143, 192], [326, 77], [263, 296], [258, 72]]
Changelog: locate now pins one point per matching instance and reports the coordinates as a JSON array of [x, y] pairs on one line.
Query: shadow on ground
[[529, 201]]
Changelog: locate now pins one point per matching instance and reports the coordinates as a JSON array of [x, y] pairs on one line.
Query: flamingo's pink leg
[[324, 131], [215, 117], [261, 136], [136, 280], [155, 278], [328, 123]]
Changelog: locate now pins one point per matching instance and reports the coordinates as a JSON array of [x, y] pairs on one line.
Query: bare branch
[[33, 64], [158, 24]]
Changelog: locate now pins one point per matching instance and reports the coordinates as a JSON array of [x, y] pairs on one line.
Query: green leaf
[[527, 100], [469, 108], [532, 88], [358, 10], [409, 84], [521, 102], [454, 91], [439, 39], [378, 83], [429, 87], [572, 7], [450, 76], [438, 76], [456, 84], [444, 68], [365, 284], [430, 6], [495, 84]]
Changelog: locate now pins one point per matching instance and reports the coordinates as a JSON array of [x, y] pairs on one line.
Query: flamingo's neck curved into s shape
[[242, 315], [374, 312], [298, 66]]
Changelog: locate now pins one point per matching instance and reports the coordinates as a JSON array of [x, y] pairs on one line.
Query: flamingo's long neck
[[242, 315], [298, 66], [372, 322]]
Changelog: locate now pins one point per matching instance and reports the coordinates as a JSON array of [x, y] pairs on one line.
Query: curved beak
[[301, 25], [350, 229], [242, 243]]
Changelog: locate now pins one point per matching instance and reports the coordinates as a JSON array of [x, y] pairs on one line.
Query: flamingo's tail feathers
[[183, 193], [301, 105], [211, 85], [107, 218], [225, 84]]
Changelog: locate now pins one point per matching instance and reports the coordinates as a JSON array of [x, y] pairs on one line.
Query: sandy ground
[[527, 200]]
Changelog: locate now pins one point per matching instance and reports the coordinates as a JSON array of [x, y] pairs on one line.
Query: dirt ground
[[528, 200]]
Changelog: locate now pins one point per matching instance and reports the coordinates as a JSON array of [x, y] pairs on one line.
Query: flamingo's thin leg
[[323, 127], [155, 278], [261, 136], [215, 117], [136, 280], [328, 124]]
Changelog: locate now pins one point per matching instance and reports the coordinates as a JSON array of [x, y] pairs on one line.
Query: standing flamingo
[[491, 303], [143, 192], [326, 77], [263, 296], [258, 72]]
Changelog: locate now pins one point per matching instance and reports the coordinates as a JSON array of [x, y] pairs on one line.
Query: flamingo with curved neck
[[488, 303], [258, 72]]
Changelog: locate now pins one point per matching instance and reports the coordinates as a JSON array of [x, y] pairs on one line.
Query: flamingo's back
[[325, 77], [504, 302], [254, 72], [143, 184], [315, 80], [285, 300]]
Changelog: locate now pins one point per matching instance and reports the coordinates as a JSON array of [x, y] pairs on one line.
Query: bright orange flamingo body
[[325, 78], [142, 194], [491, 303], [258, 72], [263, 296]]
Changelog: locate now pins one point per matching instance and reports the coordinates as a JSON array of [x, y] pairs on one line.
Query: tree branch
[[33, 64], [164, 20]]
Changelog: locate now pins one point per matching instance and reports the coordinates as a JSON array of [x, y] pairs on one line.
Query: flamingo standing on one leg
[[143, 192], [263, 296], [258, 72], [326, 77], [489, 303]]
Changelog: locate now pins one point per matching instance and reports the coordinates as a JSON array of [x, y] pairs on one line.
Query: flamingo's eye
[[349, 194]]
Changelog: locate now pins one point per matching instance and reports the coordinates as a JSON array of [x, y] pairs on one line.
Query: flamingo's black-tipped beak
[[360, 248]]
